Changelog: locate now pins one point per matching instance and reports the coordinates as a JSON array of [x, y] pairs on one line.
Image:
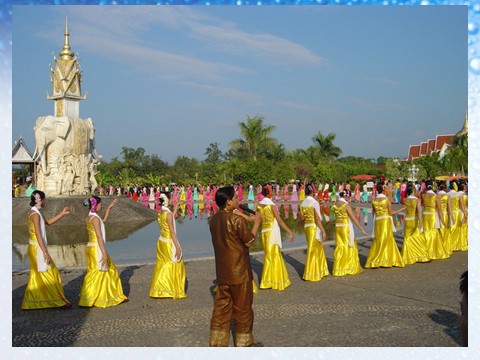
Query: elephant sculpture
[[57, 136]]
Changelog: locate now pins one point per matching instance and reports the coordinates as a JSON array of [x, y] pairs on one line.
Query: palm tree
[[277, 152], [255, 138], [104, 179], [152, 179], [312, 155], [456, 158], [126, 176], [325, 144], [230, 170]]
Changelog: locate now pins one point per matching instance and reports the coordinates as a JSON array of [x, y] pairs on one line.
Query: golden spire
[[66, 54]]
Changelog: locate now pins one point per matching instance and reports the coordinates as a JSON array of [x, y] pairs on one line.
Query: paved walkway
[[413, 306]]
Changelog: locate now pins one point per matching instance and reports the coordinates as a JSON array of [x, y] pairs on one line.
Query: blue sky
[[173, 79], [424, 78]]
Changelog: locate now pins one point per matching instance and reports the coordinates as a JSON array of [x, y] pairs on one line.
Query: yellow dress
[[101, 287], [383, 251], [169, 275], [414, 247], [345, 257], [465, 221], [457, 232], [44, 289], [274, 273], [316, 266], [301, 193], [445, 230], [435, 247]]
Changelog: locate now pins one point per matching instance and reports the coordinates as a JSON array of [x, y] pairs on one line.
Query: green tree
[[257, 171], [456, 157], [283, 171], [104, 179], [155, 165], [213, 153], [431, 165], [184, 169], [277, 153], [210, 166], [152, 179], [326, 147], [255, 138], [382, 160], [311, 154], [127, 176]]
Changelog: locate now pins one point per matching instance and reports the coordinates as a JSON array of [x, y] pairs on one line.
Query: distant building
[[21, 155], [440, 144]]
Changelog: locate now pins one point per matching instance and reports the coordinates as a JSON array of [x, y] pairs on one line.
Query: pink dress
[[277, 192], [240, 192], [175, 194], [286, 195], [189, 193], [144, 195], [214, 191], [357, 192], [294, 196]]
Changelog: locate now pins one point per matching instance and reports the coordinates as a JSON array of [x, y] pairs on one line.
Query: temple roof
[[20, 153]]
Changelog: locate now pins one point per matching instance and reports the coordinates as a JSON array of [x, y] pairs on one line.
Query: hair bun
[[86, 203]]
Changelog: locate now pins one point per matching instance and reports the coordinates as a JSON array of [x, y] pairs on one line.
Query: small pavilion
[[21, 155]]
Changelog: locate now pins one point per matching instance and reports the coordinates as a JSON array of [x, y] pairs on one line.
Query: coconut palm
[[326, 147], [255, 138], [456, 157]]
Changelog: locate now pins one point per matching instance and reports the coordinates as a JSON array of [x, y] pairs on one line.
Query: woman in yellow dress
[[44, 287], [383, 251], [169, 275], [445, 214], [301, 192], [414, 247], [345, 256], [431, 225], [274, 273], [459, 215], [101, 286], [316, 266]]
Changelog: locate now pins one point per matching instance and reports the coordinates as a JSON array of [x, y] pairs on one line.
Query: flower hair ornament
[[165, 199], [92, 202]]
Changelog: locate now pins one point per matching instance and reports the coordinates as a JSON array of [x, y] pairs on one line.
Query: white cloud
[[224, 92], [117, 33]]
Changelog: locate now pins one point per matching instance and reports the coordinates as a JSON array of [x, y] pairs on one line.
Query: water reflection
[[138, 247]]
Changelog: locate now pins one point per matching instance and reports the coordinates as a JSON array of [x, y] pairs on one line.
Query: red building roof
[[423, 149], [429, 147], [443, 139], [413, 152]]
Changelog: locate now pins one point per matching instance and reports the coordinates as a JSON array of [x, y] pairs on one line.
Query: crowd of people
[[436, 225]]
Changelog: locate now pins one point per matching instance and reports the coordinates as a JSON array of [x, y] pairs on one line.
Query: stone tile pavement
[[415, 306]]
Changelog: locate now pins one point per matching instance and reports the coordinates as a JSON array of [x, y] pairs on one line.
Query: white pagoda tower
[[64, 143]]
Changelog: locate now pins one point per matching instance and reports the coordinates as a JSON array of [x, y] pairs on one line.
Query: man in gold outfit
[[231, 239]]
